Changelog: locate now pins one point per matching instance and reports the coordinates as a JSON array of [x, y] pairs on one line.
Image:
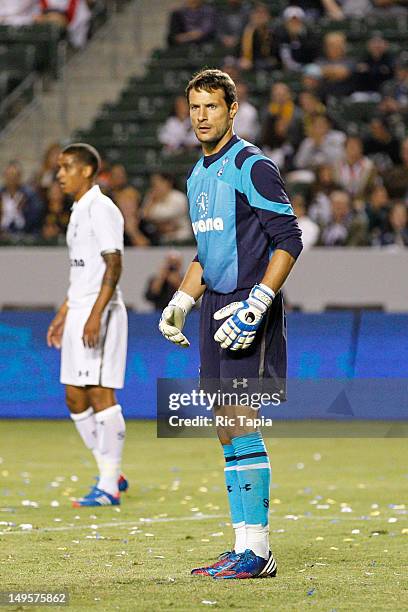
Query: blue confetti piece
[[311, 592]]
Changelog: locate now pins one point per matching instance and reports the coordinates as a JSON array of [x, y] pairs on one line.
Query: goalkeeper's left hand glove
[[238, 331]]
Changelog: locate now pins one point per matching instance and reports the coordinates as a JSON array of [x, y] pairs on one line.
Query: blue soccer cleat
[[97, 497], [123, 483], [249, 566], [227, 559]]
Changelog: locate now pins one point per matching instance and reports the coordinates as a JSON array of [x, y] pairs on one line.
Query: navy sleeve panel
[[244, 154], [262, 184], [267, 181], [196, 257], [283, 230]]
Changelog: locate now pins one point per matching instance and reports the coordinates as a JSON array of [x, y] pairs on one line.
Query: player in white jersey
[[91, 325]]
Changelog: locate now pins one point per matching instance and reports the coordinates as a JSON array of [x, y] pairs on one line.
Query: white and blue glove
[[173, 318], [238, 331]]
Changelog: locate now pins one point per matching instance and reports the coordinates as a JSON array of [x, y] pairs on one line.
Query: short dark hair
[[211, 79], [85, 153]]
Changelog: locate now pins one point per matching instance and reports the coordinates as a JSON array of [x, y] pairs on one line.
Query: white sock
[[110, 433], [257, 540], [240, 537], [86, 426]]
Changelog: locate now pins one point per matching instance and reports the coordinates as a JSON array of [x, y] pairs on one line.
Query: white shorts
[[104, 365]]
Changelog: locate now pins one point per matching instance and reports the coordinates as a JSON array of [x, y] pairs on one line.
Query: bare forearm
[[191, 282], [109, 282], [278, 269]]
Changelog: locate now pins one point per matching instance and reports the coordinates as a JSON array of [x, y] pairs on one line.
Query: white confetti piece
[[93, 527], [74, 478], [149, 535], [300, 466], [207, 602], [54, 503], [291, 517], [322, 506], [374, 506], [319, 538], [333, 548], [218, 534], [75, 541], [392, 519], [26, 526], [57, 520], [27, 502], [355, 531], [317, 456], [203, 490], [158, 557], [346, 509]]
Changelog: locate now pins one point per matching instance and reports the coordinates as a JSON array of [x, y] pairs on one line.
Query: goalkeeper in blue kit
[[248, 240]]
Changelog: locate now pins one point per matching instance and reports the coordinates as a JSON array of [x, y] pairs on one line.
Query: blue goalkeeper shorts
[[260, 368]]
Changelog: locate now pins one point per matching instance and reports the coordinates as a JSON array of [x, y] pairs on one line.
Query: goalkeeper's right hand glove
[[173, 317]]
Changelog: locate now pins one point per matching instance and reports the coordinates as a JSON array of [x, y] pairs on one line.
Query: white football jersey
[[95, 227]]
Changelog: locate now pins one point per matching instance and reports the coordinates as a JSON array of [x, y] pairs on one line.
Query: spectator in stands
[[18, 12], [56, 216], [310, 229], [74, 16], [246, 122], [194, 22], [389, 7], [356, 8], [160, 288], [324, 185], [281, 109], [381, 146], [396, 234], [258, 47], [323, 145], [128, 200], [377, 209], [310, 106], [21, 209], [176, 133], [376, 67], [337, 69], [396, 179], [47, 174], [315, 9], [312, 80], [355, 172], [165, 212], [297, 45], [346, 228], [395, 91], [232, 20]]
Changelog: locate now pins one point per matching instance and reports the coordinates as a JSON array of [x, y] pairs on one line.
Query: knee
[[100, 398], [76, 404], [223, 436]]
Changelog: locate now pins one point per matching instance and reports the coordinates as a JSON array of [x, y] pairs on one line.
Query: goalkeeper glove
[[173, 317], [238, 331]]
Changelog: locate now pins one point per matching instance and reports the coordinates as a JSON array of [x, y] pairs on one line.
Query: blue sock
[[254, 476], [234, 498]]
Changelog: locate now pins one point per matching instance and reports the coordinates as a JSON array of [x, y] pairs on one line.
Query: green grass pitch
[[339, 523]]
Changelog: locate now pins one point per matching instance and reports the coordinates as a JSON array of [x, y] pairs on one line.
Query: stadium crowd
[[347, 188], [73, 16]]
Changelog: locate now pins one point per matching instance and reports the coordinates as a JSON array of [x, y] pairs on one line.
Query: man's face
[[12, 177], [118, 177], [73, 176], [209, 115]]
